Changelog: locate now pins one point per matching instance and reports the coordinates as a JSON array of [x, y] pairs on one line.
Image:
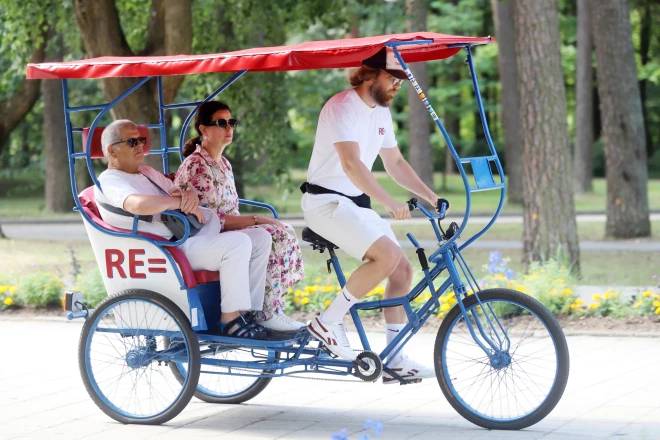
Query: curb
[[568, 333]]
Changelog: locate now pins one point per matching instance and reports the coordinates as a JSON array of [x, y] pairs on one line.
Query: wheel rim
[[505, 386], [122, 352], [215, 381]]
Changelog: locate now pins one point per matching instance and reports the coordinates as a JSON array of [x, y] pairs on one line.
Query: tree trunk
[[584, 117], [623, 122], [549, 229], [14, 109], [57, 186], [2, 234], [506, 58], [169, 33], [419, 133], [645, 57]]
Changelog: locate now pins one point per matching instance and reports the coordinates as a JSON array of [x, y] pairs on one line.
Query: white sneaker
[[282, 323], [408, 369], [333, 336]]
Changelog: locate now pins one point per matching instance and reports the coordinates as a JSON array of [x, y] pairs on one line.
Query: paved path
[[613, 392], [76, 232]]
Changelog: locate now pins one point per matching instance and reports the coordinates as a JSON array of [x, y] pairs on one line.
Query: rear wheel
[[123, 355], [514, 384], [215, 384]]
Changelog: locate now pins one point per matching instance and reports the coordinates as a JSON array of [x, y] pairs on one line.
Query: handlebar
[[441, 205]]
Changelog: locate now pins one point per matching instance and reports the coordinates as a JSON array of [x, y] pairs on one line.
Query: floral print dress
[[216, 189]]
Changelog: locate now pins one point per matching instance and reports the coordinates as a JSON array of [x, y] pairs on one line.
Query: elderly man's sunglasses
[[222, 123], [133, 142]]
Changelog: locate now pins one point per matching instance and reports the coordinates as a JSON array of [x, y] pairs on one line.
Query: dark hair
[[203, 117]]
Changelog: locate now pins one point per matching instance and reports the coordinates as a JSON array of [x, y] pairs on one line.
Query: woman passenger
[[206, 170]]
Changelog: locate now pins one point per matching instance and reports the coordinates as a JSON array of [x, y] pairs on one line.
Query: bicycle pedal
[[409, 381], [328, 352]]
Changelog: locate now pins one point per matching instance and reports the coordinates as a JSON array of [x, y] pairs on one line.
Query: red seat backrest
[[97, 150]]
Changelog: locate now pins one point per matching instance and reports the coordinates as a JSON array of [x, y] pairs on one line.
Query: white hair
[[112, 133]]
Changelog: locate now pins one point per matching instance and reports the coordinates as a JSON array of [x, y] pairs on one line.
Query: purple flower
[[654, 277], [510, 274], [375, 425], [341, 435], [494, 257]]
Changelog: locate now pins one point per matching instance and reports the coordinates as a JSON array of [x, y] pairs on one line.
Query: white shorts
[[348, 226]]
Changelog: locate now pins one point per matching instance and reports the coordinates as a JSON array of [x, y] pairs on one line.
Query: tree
[[14, 109], [169, 32], [623, 121], [506, 58], [418, 122], [57, 186], [549, 226], [645, 57], [584, 117]]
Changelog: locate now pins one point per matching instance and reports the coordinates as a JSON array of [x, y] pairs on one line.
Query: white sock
[[391, 332], [339, 307]]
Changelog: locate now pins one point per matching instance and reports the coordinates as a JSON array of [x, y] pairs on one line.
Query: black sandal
[[241, 328]]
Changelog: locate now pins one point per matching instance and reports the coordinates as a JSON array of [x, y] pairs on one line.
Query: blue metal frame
[[298, 351]]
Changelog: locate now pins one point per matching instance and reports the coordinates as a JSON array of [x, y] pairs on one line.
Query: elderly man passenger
[[241, 257]]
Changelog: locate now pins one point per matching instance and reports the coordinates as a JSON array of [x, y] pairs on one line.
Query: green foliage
[[648, 303], [278, 112], [90, 283], [8, 290], [550, 282], [40, 289]]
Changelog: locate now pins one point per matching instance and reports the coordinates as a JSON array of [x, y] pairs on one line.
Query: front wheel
[[522, 373]]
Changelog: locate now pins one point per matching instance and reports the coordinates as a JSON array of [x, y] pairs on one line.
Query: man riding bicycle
[[354, 127]]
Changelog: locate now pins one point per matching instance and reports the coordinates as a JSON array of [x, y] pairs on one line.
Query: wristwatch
[[256, 219]]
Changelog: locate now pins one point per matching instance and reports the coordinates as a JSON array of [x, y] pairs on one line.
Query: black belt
[[363, 200]]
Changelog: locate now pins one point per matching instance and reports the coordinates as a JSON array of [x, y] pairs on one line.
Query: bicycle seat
[[316, 240]]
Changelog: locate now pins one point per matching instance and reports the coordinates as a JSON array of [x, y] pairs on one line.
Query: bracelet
[[256, 220]]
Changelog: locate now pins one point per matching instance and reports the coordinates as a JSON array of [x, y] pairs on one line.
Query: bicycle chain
[[302, 377]]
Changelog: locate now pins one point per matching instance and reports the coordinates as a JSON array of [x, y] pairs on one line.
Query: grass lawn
[[587, 231], [287, 198], [21, 257]]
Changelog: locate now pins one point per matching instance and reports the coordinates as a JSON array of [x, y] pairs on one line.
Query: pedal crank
[[368, 366]]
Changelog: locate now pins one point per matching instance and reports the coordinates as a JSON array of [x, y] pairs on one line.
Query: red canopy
[[313, 55]]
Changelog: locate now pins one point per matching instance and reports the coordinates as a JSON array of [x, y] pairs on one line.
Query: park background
[[572, 98]]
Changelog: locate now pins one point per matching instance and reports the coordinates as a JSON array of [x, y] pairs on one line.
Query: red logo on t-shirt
[[381, 131]]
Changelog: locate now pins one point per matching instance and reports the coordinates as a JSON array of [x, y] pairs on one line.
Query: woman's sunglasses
[[222, 123], [133, 142]]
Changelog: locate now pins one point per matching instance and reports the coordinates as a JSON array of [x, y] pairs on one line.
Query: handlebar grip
[[442, 206], [412, 204]]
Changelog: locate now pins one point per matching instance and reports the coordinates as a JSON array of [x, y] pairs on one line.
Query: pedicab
[[500, 357]]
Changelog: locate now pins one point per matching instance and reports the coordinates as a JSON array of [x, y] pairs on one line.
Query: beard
[[382, 96]]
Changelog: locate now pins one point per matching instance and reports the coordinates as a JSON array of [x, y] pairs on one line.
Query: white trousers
[[240, 256]]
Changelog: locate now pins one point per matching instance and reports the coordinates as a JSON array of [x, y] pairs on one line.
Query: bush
[[40, 290], [7, 293], [92, 287], [550, 282], [648, 303], [610, 303]]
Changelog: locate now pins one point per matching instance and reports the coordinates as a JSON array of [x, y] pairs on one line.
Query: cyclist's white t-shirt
[[345, 118]]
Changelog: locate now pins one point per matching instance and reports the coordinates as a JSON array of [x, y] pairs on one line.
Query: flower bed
[[550, 282]]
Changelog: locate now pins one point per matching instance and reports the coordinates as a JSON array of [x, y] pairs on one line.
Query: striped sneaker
[[408, 369], [333, 336]]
